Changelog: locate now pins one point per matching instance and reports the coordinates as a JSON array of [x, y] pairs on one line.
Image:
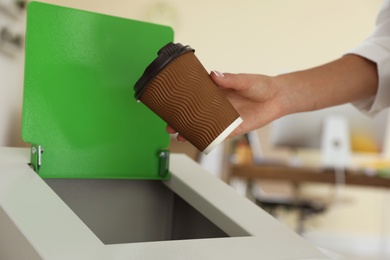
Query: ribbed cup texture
[[185, 97]]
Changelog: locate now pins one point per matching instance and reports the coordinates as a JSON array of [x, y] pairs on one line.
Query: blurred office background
[[252, 36]]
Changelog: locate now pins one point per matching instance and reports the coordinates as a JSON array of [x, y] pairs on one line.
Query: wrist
[[285, 95]]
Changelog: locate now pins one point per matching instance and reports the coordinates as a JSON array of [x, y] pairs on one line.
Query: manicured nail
[[218, 74]]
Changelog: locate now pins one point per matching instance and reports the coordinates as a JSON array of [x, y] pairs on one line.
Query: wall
[[11, 77]]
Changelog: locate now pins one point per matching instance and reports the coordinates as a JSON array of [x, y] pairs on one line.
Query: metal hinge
[[163, 167], [36, 157]]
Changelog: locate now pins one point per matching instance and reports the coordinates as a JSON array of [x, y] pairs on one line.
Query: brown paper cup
[[178, 89]]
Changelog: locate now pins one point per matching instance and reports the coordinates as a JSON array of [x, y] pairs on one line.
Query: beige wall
[[252, 35]]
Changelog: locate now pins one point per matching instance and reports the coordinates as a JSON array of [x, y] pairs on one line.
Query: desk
[[300, 175]]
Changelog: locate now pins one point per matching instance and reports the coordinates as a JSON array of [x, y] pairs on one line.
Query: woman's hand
[[253, 96], [260, 99]]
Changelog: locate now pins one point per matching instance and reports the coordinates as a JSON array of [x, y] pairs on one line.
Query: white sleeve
[[377, 49]]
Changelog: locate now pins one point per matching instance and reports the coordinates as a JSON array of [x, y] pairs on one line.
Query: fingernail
[[218, 74]]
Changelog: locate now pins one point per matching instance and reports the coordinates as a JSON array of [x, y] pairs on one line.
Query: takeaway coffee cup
[[178, 89]]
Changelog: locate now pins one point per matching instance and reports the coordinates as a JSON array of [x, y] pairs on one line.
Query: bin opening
[[130, 211]]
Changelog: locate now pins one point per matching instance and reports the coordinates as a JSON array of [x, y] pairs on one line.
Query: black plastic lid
[[165, 55]]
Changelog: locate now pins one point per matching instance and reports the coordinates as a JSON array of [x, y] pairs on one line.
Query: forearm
[[347, 79]]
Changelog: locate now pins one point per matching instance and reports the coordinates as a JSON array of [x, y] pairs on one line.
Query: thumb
[[231, 81]]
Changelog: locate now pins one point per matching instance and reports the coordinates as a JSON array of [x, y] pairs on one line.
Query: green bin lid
[[78, 105]]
